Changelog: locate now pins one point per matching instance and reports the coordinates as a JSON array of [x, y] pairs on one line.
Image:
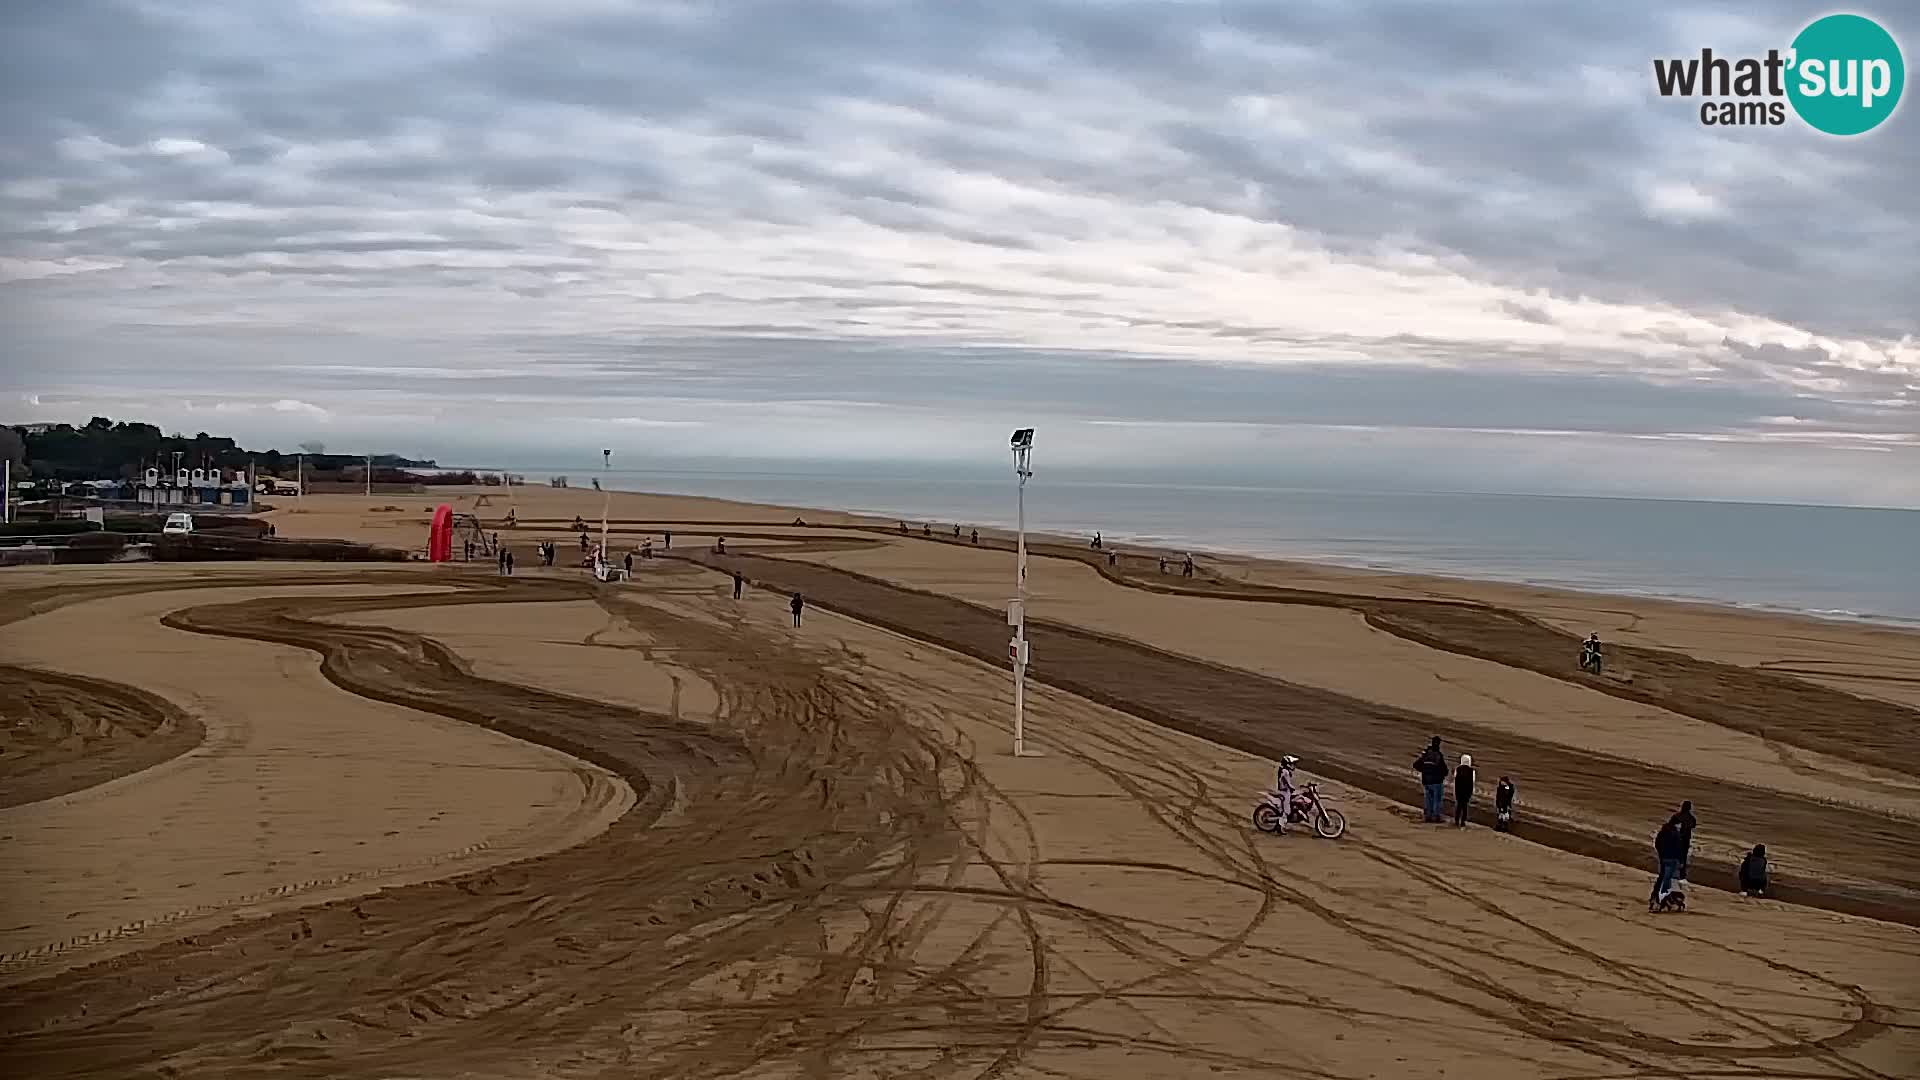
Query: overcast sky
[[1459, 242]]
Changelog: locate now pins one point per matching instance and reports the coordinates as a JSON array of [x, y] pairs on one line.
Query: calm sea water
[[1832, 561]]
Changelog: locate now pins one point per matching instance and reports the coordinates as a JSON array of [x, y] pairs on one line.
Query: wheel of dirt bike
[[1266, 818], [1331, 824]]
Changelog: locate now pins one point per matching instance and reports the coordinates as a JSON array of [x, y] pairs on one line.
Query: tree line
[[102, 449]]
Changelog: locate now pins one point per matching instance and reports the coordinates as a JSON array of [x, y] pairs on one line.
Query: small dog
[[1674, 900]]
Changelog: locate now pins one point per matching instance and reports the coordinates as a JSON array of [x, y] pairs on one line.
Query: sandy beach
[[416, 820]]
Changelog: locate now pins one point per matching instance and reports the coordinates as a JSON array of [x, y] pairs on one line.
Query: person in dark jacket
[[1432, 766], [1753, 872], [666, 540], [1686, 819], [797, 604], [1462, 791], [738, 581], [975, 533], [1669, 847], [1503, 805]]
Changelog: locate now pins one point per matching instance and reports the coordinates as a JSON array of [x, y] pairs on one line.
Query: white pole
[[1020, 633], [606, 499], [300, 476], [369, 476], [6, 499], [1022, 459]]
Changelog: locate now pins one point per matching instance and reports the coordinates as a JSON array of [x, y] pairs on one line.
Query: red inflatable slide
[[440, 535]]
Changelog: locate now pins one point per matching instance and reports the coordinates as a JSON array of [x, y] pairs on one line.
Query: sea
[[1832, 562]]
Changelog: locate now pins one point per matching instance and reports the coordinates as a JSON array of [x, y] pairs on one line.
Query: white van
[[178, 525]]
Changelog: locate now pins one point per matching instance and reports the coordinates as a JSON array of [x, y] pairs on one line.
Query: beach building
[[192, 487]]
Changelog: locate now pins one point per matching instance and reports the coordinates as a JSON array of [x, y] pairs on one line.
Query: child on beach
[[1503, 805]]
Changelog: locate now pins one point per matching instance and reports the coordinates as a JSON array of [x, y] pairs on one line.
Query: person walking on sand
[[1669, 850], [1113, 558], [956, 530], [1187, 570], [1503, 805], [1432, 766], [976, 536], [506, 560], [926, 531], [1096, 542], [797, 604], [1753, 872], [719, 545], [1163, 564], [1462, 791], [628, 562], [738, 581]]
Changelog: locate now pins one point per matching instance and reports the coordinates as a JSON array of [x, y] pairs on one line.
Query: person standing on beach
[[926, 531], [1503, 805], [1462, 791], [737, 582], [976, 536], [628, 562], [1187, 570], [1432, 766], [956, 530], [1163, 564], [1670, 850], [1753, 872], [666, 540], [1686, 819], [506, 560], [1113, 558], [1096, 542], [798, 604]]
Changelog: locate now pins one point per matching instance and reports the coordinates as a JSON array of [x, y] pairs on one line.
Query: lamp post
[[1016, 611], [606, 499]]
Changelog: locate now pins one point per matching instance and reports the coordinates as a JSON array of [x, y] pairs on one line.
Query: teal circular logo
[[1847, 74]]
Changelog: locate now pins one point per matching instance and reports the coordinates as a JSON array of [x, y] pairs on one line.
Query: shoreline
[[1426, 573]]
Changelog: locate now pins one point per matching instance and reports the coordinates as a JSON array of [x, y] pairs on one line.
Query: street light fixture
[[1016, 611]]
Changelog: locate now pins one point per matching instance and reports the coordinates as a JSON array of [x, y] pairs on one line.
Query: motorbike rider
[[1284, 785], [1590, 651]]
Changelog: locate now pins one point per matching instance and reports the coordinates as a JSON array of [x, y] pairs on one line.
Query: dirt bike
[[1590, 661], [1307, 807]]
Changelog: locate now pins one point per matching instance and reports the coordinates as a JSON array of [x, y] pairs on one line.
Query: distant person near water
[[797, 604], [737, 582], [1462, 791], [1187, 569], [1163, 564], [506, 560], [926, 530], [1432, 767], [1113, 558], [1096, 542], [628, 562], [956, 530], [666, 540], [719, 545], [1503, 805], [976, 536]]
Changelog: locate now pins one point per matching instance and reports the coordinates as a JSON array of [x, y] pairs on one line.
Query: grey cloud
[[1465, 131]]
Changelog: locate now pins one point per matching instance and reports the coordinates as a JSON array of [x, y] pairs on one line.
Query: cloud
[[1472, 217]]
